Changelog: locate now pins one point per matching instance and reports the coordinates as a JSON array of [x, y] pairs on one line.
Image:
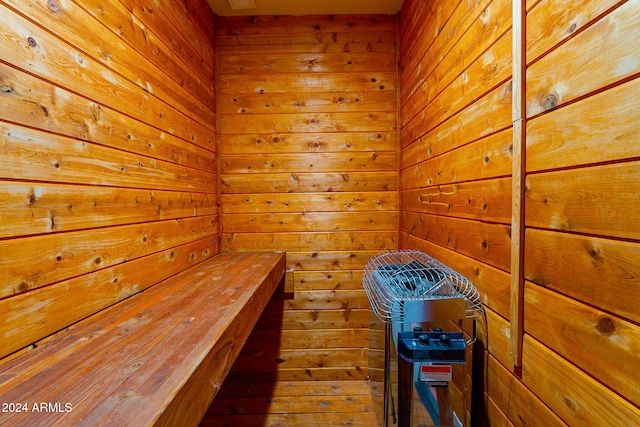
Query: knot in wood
[[23, 287], [53, 5], [31, 41], [606, 326], [549, 101]]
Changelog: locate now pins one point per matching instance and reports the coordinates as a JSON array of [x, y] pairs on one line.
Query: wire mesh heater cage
[[398, 283]]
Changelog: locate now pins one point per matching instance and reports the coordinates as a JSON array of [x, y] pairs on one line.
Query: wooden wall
[[576, 324], [108, 177], [109, 174], [308, 157]]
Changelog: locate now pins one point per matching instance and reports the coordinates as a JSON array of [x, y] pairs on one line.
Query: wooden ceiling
[[308, 7]]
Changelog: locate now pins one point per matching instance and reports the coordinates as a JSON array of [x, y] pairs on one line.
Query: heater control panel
[[421, 346]]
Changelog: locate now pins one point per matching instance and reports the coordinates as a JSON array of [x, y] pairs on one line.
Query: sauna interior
[[142, 139]]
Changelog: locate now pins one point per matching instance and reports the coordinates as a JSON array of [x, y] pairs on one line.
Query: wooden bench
[[156, 358]]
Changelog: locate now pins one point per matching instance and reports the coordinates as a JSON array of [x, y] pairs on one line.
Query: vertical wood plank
[[517, 182]]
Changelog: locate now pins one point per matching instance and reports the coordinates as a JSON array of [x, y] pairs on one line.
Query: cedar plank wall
[[108, 176], [581, 339], [308, 154]]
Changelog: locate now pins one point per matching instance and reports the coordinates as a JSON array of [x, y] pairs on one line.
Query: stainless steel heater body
[[418, 299]]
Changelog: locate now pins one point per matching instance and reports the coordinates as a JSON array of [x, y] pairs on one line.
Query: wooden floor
[[317, 403]]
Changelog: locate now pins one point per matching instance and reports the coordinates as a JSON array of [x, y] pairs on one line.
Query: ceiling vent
[[242, 4]]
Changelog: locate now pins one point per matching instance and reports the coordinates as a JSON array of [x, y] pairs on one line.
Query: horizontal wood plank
[[309, 182], [329, 260], [308, 221], [28, 209], [447, 95], [68, 67], [479, 25], [497, 337], [316, 338], [353, 373], [309, 202], [552, 22], [312, 62], [596, 271], [515, 400], [489, 243], [493, 414], [297, 388], [106, 46], [337, 142], [488, 200], [40, 156], [168, 34], [302, 103], [313, 319], [291, 24], [109, 186], [252, 360], [328, 300], [282, 405], [489, 157], [39, 104], [302, 123], [490, 114], [576, 397], [194, 32], [305, 240], [336, 40], [35, 262], [308, 162], [595, 341], [601, 128], [416, 39], [31, 316], [356, 418], [328, 280], [594, 200], [316, 83], [312, 45], [567, 74]]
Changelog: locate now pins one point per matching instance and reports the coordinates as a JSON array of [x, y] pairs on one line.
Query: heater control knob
[[423, 339], [445, 340]]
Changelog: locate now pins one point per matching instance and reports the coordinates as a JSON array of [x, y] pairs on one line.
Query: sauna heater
[[427, 314]]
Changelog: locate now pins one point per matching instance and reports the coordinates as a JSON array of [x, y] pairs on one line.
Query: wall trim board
[[518, 181], [218, 107]]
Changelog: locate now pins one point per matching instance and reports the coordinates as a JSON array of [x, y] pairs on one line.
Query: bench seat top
[[158, 357]]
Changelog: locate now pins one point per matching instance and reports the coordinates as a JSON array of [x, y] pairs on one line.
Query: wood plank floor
[[293, 403]]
